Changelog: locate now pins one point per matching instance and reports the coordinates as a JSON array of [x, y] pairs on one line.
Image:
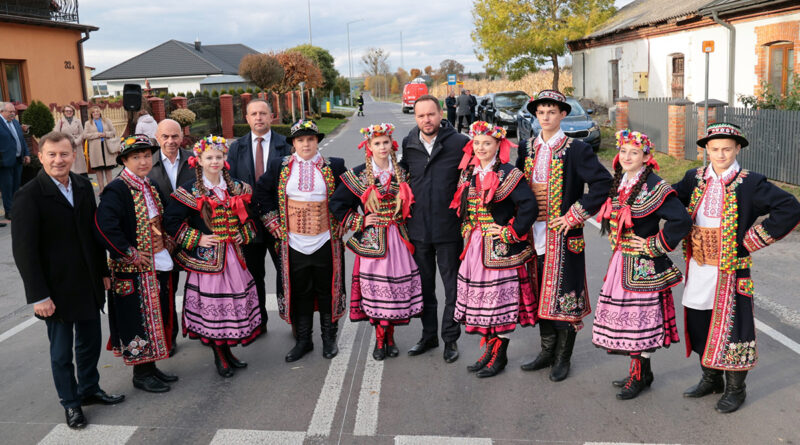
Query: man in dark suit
[[248, 158], [13, 153], [171, 169], [64, 272], [431, 154]]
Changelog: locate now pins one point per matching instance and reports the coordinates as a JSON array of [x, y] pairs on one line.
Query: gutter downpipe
[[731, 54], [81, 66]]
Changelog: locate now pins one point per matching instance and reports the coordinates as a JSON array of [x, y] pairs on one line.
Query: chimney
[[197, 44]]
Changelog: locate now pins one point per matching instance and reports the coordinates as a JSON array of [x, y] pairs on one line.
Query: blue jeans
[[10, 178]]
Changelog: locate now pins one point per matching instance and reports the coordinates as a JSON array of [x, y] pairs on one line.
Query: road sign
[[708, 46], [451, 79]]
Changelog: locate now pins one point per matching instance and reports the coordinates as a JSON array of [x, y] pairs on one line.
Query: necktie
[[259, 157], [13, 131]]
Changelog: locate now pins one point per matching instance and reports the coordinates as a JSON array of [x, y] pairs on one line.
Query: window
[[781, 66], [11, 81], [677, 76]]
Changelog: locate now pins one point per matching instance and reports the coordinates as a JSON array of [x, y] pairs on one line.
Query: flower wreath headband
[[209, 142], [638, 140], [372, 131], [484, 128]]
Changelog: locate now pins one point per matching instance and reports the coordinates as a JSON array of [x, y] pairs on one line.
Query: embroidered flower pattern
[[643, 268], [741, 353]]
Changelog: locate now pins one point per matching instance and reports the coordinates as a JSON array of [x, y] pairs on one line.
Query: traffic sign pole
[[708, 48]]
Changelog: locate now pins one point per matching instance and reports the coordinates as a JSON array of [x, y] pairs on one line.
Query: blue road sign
[[451, 79]]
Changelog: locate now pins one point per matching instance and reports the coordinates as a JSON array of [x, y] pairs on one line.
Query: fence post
[[246, 98], [622, 113], [226, 110], [276, 112], [676, 117], [714, 107], [179, 102], [157, 106]]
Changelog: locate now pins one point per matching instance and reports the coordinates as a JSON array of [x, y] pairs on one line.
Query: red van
[[412, 91]]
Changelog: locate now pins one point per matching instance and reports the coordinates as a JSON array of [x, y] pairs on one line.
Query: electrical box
[[640, 82]]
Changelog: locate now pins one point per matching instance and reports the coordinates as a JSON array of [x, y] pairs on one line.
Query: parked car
[[412, 91], [577, 125], [501, 108]]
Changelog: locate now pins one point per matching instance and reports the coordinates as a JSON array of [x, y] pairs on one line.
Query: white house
[[178, 67], [653, 48]]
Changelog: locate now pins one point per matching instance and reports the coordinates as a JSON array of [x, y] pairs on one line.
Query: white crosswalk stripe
[[253, 437], [91, 435]]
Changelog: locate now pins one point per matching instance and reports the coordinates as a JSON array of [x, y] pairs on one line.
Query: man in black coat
[[248, 158], [450, 104], [64, 272], [431, 154], [170, 169]]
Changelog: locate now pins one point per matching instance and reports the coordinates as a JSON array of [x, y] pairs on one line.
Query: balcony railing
[[57, 10]]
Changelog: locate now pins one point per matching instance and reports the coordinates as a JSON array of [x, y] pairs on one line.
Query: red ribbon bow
[[624, 217], [365, 195], [192, 161], [207, 200], [487, 186], [456, 202], [239, 206], [407, 198]]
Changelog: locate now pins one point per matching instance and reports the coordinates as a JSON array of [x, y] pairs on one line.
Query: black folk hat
[[724, 130], [136, 142], [549, 96], [304, 128]]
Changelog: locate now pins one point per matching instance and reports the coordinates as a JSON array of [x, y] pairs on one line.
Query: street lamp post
[[350, 61]]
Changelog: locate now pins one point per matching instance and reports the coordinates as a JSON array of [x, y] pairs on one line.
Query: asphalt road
[[405, 400]]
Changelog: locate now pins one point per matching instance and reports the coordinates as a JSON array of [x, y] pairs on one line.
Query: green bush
[[772, 100], [206, 93], [214, 93], [240, 130], [240, 91], [281, 129], [39, 117], [189, 95], [334, 115], [250, 90]]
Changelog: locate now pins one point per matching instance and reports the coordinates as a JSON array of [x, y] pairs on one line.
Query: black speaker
[[132, 97]]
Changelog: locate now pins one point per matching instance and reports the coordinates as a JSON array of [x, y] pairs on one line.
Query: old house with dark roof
[[653, 48], [178, 67]]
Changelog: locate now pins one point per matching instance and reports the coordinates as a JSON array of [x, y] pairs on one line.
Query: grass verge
[[327, 125]]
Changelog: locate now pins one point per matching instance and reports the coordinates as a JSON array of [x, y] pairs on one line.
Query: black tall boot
[[235, 362], [329, 330], [303, 328], [711, 382], [389, 346], [223, 367], [488, 342], [636, 380], [498, 361], [647, 375], [546, 356], [379, 353], [735, 392], [565, 341]]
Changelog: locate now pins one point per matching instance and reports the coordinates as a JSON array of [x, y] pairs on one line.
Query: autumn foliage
[[298, 68]]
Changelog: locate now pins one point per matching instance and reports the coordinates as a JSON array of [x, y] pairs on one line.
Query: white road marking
[[369, 397], [18, 328], [92, 434], [325, 409], [623, 443], [441, 440], [225, 437], [777, 336]]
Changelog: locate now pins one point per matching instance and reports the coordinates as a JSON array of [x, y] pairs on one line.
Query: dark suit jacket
[[8, 146], [433, 179], [54, 247], [240, 156], [159, 174]]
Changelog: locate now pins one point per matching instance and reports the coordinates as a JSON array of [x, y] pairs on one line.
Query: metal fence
[[690, 146], [651, 116], [774, 137]]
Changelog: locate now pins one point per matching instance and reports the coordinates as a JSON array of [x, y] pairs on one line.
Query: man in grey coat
[[463, 103]]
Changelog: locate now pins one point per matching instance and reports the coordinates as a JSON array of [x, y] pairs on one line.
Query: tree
[[298, 68], [518, 36], [375, 62], [342, 85], [39, 117], [450, 66], [428, 70], [394, 88], [324, 61], [402, 76], [415, 72], [264, 70]]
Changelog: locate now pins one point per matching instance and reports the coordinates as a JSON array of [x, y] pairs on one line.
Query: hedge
[[240, 130]]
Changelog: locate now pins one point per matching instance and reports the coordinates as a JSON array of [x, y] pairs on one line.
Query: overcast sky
[[432, 31]]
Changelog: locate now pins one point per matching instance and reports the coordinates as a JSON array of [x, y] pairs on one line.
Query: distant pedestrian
[[463, 105], [386, 289], [473, 104], [450, 105], [360, 103], [145, 124], [64, 272], [13, 154], [103, 146], [70, 123]]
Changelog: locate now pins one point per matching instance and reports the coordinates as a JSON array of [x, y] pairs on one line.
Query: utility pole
[[350, 60], [402, 64], [309, 23]]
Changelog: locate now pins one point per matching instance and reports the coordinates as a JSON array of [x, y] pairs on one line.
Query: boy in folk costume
[[208, 219], [724, 201], [292, 198], [557, 168], [129, 225], [496, 278], [640, 275], [386, 288]]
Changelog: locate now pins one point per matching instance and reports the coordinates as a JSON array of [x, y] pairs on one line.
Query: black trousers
[[556, 324], [467, 118], [451, 116], [427, 255], [166, 296], [86, 337], [312, 276], [176, 276], [255, 255], [697, 324]]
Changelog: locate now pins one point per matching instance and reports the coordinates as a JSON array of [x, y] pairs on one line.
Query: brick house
[[652, 48]]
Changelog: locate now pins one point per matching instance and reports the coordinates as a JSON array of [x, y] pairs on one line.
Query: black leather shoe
[[103, 398], [75, 418], [710, 383], [2, 224], [173, 350], [149, 383], [450, 353], [164, 377], [422, 346]]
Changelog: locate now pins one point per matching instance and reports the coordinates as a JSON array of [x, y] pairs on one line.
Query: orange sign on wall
[[708, 46]]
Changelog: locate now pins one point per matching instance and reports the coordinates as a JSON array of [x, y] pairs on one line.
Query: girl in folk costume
[[558, 168], [496, 276], [725, 201], [635, 313], [292, 199], [209, 221], [129, 224], [386, 287]]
